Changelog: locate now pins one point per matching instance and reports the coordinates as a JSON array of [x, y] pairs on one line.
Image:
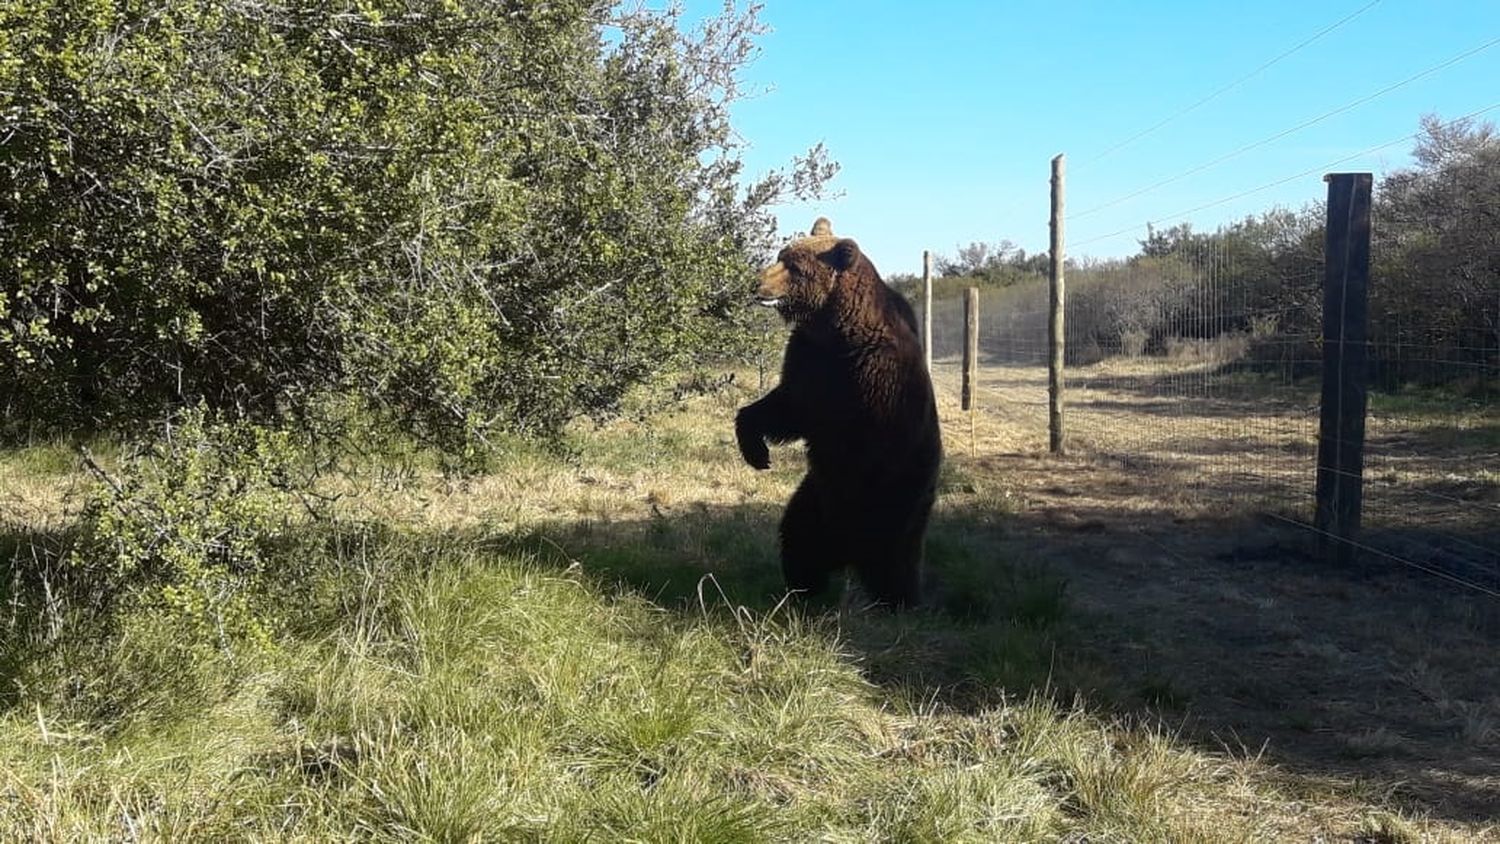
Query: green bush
[[175, 579], [472, 216], [185, 530]]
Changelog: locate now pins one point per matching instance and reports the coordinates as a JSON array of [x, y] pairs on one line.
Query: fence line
[[1290, 130], [1322, 168], [1196, 371], [1224, 89]]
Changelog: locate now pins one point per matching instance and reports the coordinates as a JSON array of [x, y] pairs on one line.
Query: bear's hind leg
[[890, 567], [806, 558], [893, 576]]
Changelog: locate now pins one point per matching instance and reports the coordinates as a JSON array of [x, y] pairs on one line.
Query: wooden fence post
[[1341, 428], [971, 347], [927, 309], [1055, 334], [971, 357]]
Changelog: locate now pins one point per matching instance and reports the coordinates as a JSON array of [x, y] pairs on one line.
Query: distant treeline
[[1254, 288]]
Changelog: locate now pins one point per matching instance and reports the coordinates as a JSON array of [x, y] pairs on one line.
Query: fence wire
[[1198, 372]]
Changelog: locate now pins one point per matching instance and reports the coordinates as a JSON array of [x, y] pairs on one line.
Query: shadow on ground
[[1230, 631]]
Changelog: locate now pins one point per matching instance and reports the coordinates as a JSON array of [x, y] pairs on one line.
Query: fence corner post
[[1056, 336], [1341, 426]]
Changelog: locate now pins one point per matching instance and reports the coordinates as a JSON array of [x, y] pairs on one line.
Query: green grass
[[1445, 417], [460, 694], [593, 646]]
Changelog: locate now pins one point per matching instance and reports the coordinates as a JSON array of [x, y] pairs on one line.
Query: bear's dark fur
[[854, 387]]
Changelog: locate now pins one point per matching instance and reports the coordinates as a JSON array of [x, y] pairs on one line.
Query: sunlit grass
[[492, 698], [593, 645]]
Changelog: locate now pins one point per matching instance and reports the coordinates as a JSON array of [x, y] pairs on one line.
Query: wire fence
[[1197, 370]]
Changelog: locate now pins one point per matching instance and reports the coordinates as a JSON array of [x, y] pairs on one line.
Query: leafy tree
[[469, 215], [1160, 243], [1436, 262], [996, 264], [970, 260]]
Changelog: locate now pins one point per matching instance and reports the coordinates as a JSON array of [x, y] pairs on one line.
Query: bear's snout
[[774, 282]]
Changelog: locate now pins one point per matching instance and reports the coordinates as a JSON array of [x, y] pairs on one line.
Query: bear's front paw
[[754, 450], [752, 444]]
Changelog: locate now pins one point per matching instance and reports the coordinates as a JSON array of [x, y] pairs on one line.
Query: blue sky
[[944, 115]]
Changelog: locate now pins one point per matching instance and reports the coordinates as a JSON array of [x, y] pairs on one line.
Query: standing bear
[[854, 387]]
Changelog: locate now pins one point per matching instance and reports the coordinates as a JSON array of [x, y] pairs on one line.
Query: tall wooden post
[[927, 309], [971, 347], [1055, 334], [1346, 312], [971, 357]]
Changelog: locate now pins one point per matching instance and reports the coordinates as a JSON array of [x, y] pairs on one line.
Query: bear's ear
[[843, 255]]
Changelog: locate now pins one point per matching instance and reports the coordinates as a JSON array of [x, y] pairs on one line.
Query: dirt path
[[1223, 619]]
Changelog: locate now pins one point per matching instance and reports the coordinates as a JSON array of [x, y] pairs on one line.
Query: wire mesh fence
[[1012, 383], [1432, 445], [1197, 367]]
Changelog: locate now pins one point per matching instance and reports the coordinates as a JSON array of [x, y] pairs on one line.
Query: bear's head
[[806, 272]]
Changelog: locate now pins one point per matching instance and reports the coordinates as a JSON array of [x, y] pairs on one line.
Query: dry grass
[[536, 654], [1233, 623]]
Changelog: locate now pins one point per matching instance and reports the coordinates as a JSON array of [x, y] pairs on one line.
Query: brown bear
[[854, 387]]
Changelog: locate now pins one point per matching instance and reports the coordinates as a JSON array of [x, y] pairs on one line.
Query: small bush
[[184, 529]]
